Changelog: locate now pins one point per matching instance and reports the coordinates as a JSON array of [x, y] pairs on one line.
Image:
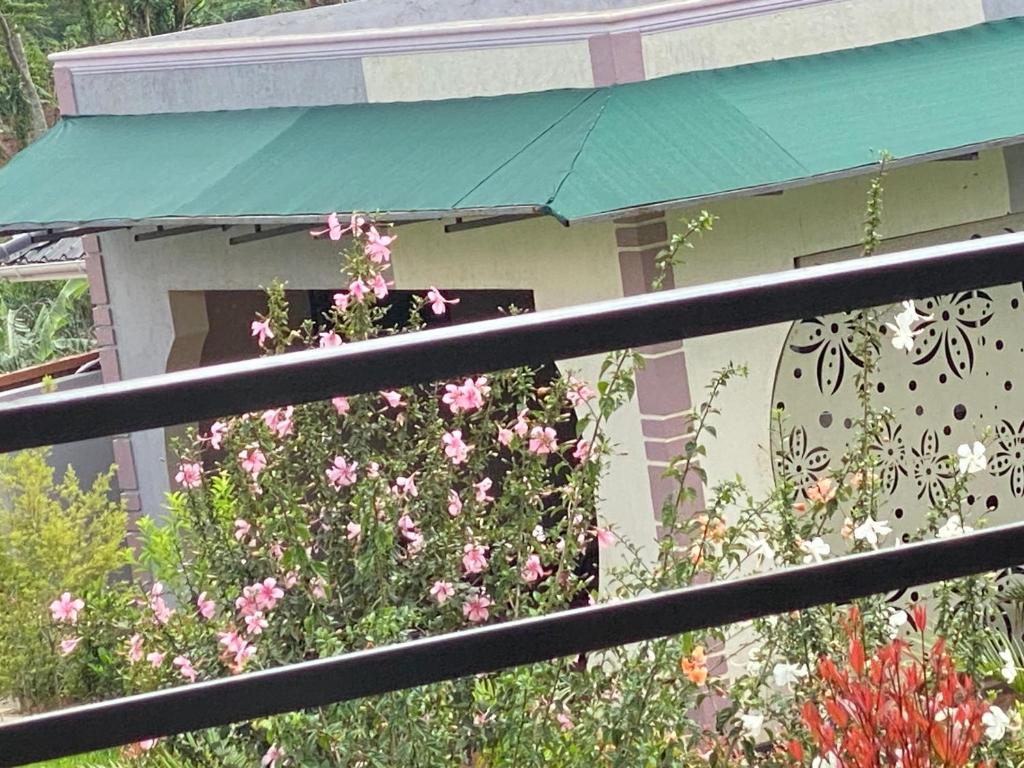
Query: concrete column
[[663, 390]]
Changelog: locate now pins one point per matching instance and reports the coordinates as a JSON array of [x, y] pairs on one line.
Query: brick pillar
[[106, 341], [663, 390]]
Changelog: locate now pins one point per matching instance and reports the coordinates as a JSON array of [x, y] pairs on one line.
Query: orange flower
[[847, 530], [695, 666], [822, 491], [713, 530], [697, 553], [800, 507]]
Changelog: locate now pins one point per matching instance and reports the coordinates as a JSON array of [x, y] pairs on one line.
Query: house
[[545, 152]]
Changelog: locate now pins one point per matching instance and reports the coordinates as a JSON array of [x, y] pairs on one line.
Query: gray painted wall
[[1002, 9], [240, 86], [88, 457]]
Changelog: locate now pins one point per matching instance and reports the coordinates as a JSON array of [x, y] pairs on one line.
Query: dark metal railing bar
[[450, 656], [507, 342]]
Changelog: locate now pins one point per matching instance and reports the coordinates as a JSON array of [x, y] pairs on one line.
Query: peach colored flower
[[822, 491]]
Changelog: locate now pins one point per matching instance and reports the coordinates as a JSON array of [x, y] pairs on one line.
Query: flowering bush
[[313, 530]]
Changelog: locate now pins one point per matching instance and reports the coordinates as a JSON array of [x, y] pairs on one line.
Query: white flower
[[897, 619], [815, 550], [972, 458], [828, 761], [753, 665], [762, 552], [786, 675], [903, 329], [753, 724], [954, 526], [1009, 670], [872, 531], [538, 533], [995, 722]]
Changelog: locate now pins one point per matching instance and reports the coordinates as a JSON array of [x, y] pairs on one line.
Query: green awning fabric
[[573, 153]]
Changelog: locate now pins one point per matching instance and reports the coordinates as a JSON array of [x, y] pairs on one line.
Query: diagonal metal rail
[[495, 344], [451, 656]]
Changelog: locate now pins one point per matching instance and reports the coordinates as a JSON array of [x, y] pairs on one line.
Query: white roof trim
[[486, 33]]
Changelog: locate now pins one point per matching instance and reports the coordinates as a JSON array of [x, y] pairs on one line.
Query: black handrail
[[433, 355], [556, 334], [488, 649]]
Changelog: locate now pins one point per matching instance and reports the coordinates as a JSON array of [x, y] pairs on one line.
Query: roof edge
[[485, 33]]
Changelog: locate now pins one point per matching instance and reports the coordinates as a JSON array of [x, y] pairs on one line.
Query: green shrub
[[55, 537]]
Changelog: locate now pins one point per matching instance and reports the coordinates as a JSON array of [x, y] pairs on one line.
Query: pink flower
[[533, 570], [291, 579], [564, 721], [481, 490], [605, 538], [379, 286], [340, 405], [407, 526], [505, 435], [135, 648], [161, 612], [475, 609], [357, 290], [543, 440], [242, 528], [406, 486], [330, 339], [579, 392], [236, 663], [279, 421], [205, 606], [68, 645], [255, 623], [232, 641], [261, 329], [441, 591], [466, 397], [246, 603], [334, 230], [455, 448], [394, 399], [343, 473], [378, 246], [475, 559], [66, 609], [454, 504], [316, 588], [155, 659], [252, 461], [185, 668], [355, 531], [277, 551], [217, 431], [582, 451], [271, 756], [437, 301], [521, 427], [341, 300], [267, 594], [190, 475]]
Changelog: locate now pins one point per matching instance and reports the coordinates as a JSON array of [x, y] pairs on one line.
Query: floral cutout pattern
[[1008, 456], [960, 379], [953, 336], [831, 340], [799, 462]]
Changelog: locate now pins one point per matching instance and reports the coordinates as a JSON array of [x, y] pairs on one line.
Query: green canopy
[[573, 153]]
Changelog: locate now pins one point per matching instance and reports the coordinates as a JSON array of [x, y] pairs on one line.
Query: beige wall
[[458, 74], [766, 234], [803, 31]]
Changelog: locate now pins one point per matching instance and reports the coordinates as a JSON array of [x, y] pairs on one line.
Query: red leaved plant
[[896, 708]]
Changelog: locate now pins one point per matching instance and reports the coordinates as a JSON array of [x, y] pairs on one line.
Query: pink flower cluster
[[468, 396]]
